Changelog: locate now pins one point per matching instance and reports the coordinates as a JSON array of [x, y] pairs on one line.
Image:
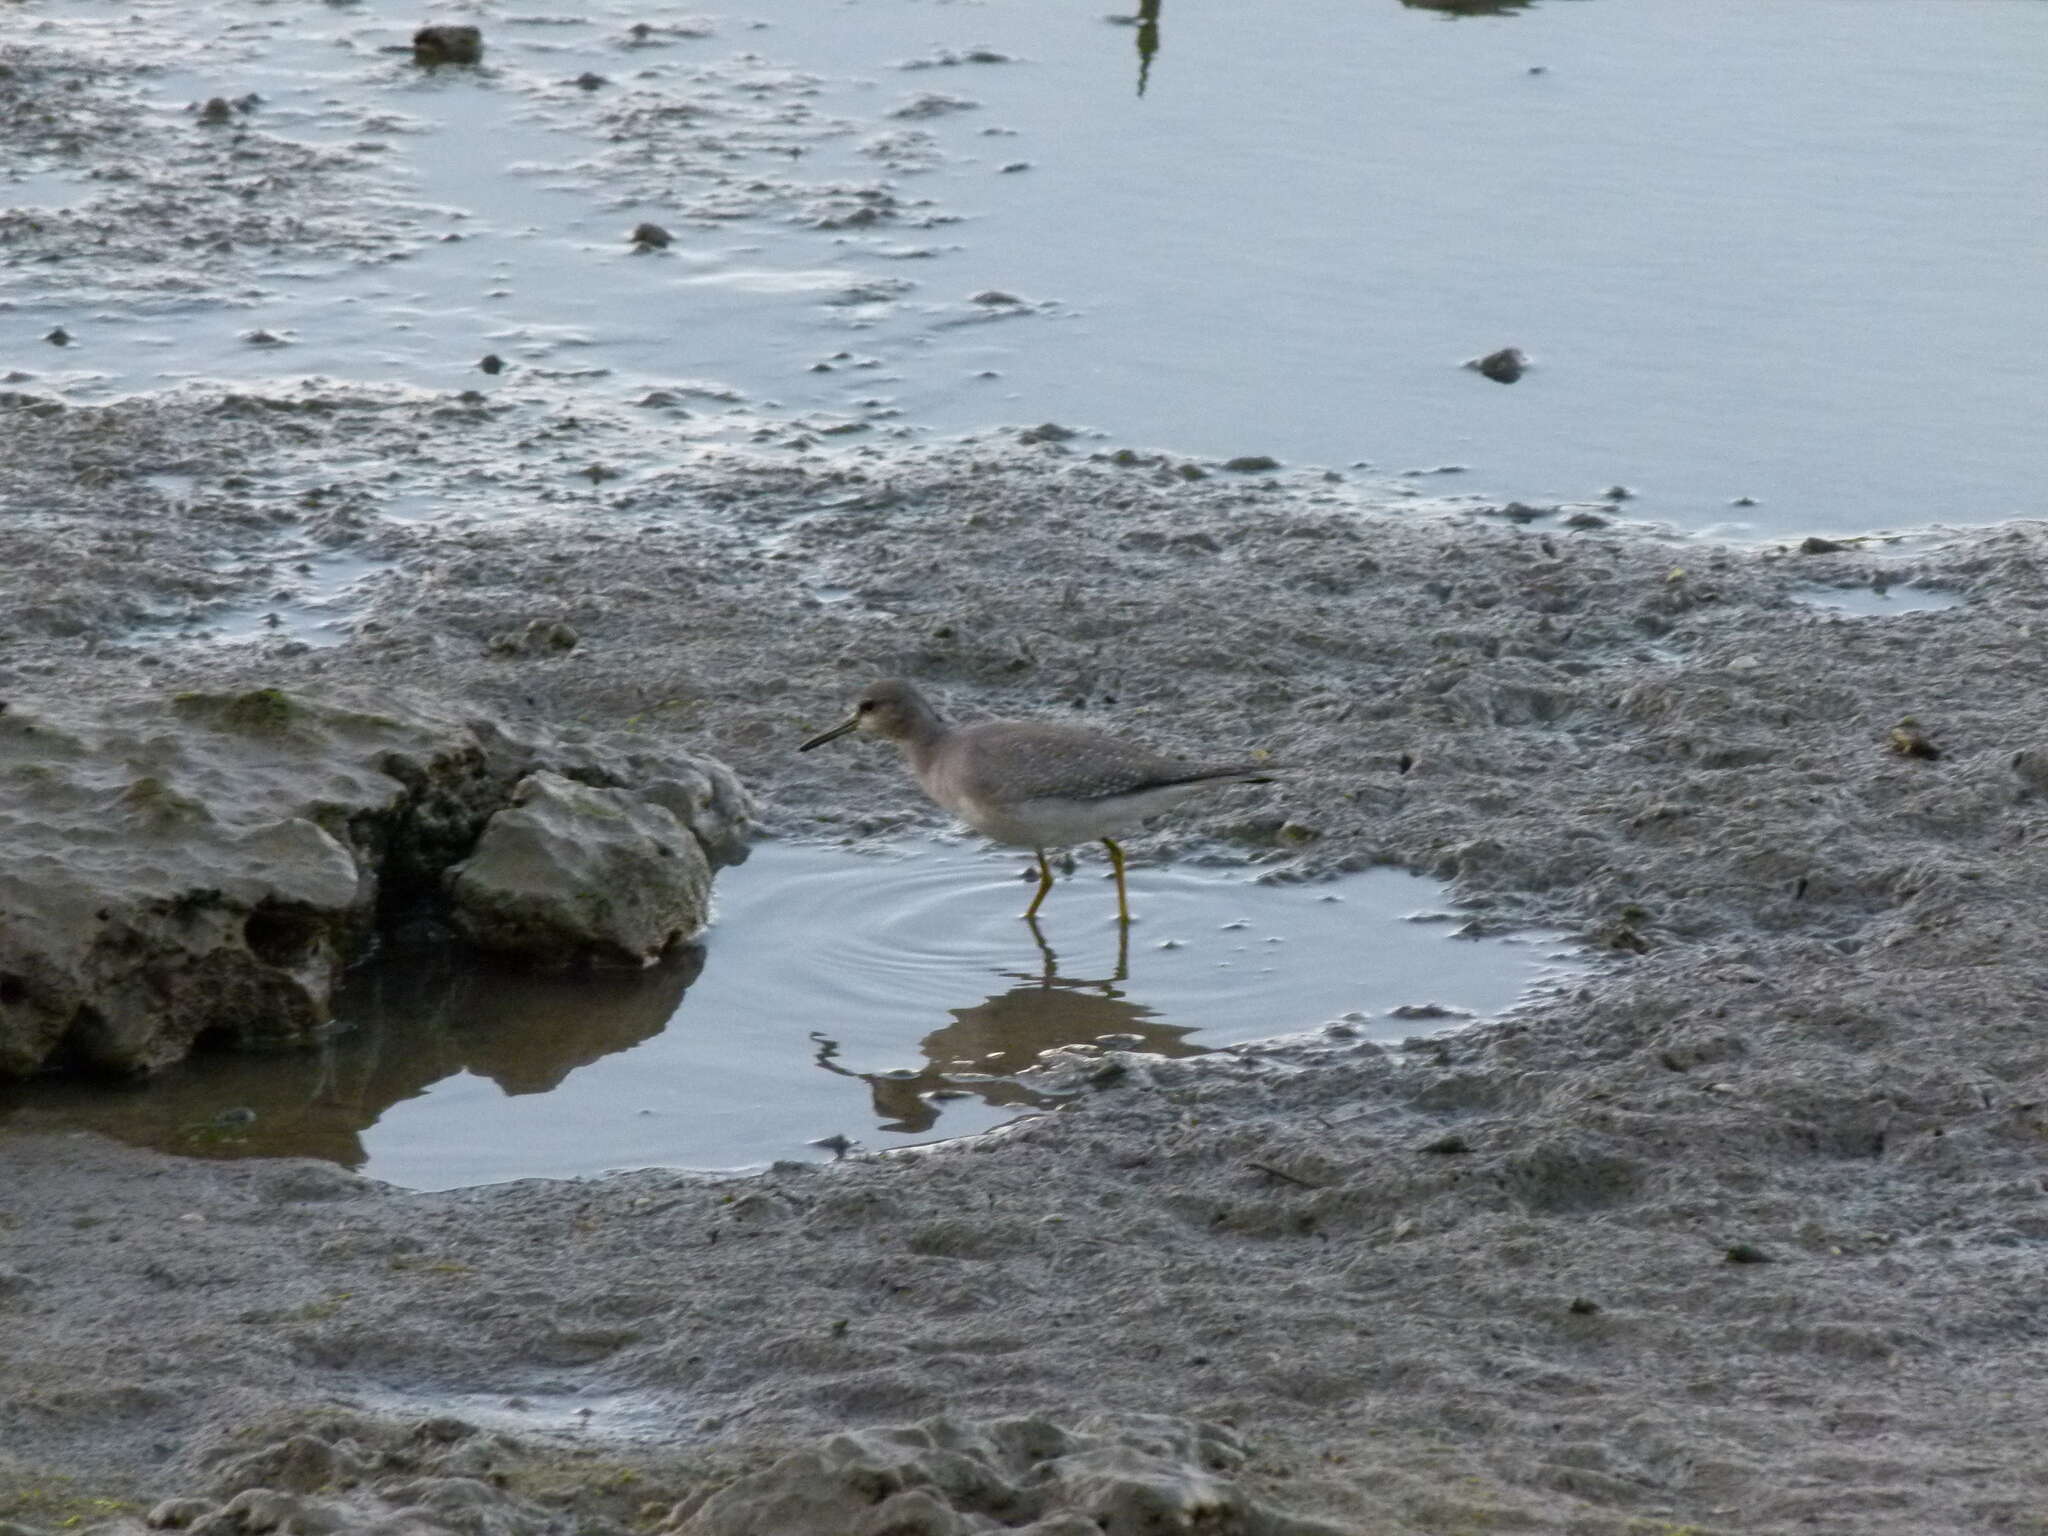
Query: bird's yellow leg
[[1044, 885], [1116, 862]]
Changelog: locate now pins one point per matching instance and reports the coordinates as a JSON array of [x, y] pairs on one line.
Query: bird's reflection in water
[[1148, 40], [980, 1052], [410, 1020]]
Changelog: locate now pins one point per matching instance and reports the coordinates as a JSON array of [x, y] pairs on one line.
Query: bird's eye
[[864, 706]]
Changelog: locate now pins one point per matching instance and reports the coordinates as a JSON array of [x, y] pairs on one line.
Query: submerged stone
[[447, 45]]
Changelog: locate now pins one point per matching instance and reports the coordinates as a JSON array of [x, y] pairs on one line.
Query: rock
[[1813, 544], [932, 104], [490, 362], [946, 1477], [707, 798], [1252, 463], [216, 111], [57, 336], [178, 869], [541, 637], [704, 794], [1503, 367], [2030, 764], [572, 874], [651, 237], [176, 1514], [264, 1509], [1908, 740], [186, 872], [447, 45]]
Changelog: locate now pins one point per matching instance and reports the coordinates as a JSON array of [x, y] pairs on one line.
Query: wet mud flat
[[1747, 1232]]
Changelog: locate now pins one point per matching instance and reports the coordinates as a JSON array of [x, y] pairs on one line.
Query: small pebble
[[176, 1514], [1503, 367], [1908, 740], [447, 45]]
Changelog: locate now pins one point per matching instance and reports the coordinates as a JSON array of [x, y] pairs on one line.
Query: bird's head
[[892, 710]]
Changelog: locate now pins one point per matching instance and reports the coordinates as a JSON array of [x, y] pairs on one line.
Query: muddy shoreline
[[1746, 1233], [1738, 1235]]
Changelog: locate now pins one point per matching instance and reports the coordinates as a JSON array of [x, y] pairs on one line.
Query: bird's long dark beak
[[850, 723]]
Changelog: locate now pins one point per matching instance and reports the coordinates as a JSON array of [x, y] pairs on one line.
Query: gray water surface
[[1792, 253], [859, 999]]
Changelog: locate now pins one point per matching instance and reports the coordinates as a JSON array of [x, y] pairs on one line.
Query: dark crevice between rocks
[[436, 827], [82, 1048], [283, 936]]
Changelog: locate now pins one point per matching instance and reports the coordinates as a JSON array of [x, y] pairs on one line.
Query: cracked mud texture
[[1748, 1233]]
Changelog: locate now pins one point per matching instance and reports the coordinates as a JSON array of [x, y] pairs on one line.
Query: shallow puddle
[[884, 998], [317, 608], [1879, 602]]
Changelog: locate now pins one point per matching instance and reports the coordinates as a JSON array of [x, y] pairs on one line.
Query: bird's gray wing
[[1029, 760]]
